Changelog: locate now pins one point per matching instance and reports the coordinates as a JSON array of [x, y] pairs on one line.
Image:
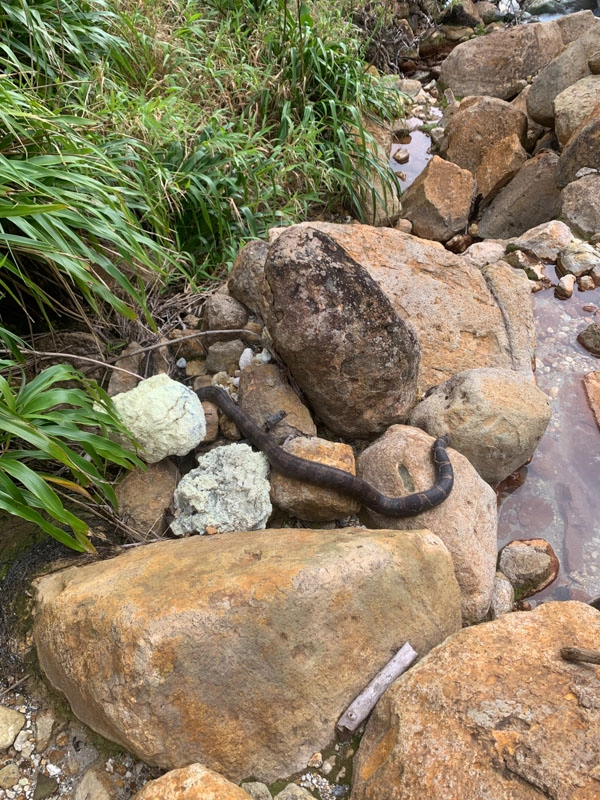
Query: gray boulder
[[320, 302], [580, 205], [581, 151]]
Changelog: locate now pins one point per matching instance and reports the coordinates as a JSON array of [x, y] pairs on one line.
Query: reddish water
[[559, 499]]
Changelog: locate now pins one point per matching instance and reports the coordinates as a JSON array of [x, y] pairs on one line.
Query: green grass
[[139, 144]]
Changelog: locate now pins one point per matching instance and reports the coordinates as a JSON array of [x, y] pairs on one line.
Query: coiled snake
[[302, 469]]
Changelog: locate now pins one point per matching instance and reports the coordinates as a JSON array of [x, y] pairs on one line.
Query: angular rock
[[224, 356], [312, 502], [498, 166], [580, 205], [530, 565], [220, 650], [399, 463], [9, 775], [590, 339], [574, 104], [257, 790], [164, 416], [95, 785], [380, 204], [439, 202], [194, 782], [534, 130], [227, 491], [246, 277], [545, 241], [591, 382], [318, 301], [480, 123], [145, 495], [574, 25], [494, 417], [530, 199], [454, 307], [581, 151], [496, 65], [565, 70], [565, 286], [11, 722], [483, 253], [263, 392], [499, 732]]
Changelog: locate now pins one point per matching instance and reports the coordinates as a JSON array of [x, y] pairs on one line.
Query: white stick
[[360, 708]]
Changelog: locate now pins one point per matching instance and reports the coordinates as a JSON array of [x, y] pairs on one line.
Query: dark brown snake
[[301, 469]]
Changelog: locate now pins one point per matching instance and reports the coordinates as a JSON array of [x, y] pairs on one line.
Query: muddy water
[[559, 499]]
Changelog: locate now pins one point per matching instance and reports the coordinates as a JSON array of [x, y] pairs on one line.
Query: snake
[[312, 472]]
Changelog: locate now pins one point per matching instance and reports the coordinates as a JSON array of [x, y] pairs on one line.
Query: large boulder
[[494, 712], [530, 199], [499, 65], [479, 124], [580, 205], [319, 301], [574, 104], [494, 417], [439, 201], [240, 651], [565, 70], [464, 317], [400, 463], [581, 151]]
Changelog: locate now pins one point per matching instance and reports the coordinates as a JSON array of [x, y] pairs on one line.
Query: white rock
[[228, 491], [164, 416]]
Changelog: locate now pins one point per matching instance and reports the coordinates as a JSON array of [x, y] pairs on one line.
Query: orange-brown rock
[[453, 306], [144, 495], [194, 782], [399, 463], [240, 651], [313, 502], [498, 165], [582, 149], [591, 382], [264, 393], [493, 712], [353, 356], [438, 203]]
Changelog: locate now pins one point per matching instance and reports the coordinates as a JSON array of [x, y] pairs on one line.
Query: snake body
[[302, 469]]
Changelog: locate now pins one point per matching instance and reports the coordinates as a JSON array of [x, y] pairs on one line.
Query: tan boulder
[[263, 392], [452, 305], [544, 241], [529, 199], [496, 65], [308, 501], [347, 348], [574, 104], [400, 463], [439, 201], [493, 712], [591, 383], [563, 71], [247, 274], [240, 651], [194, 782], [498, 166], [479, 124], [494, 417]]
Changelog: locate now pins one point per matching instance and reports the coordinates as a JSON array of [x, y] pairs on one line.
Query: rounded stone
[[530, 565]]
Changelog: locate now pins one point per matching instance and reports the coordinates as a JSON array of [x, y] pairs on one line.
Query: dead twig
[[580, 655]]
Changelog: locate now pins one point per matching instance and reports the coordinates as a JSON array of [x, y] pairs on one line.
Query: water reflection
[[559, 498]]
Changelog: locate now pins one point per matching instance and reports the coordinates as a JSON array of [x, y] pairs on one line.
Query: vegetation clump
[[141, 144]]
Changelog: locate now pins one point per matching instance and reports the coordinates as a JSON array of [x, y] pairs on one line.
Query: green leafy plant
[[44, 422]]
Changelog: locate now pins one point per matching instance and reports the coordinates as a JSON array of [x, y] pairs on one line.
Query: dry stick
[[14, 685], [580, 655], [360, 708], [49, 354]]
